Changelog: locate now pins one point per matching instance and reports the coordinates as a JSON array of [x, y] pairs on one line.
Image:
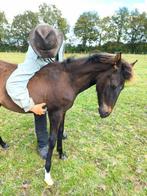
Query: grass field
[[105, 156]]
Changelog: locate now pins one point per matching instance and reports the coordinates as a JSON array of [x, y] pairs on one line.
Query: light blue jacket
[[16, 85]]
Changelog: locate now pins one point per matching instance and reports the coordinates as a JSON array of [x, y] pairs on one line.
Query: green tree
[[86, 28], [119, 24], [105, 30], [137, 29], [52, 15], [21, 26], [3, 26]]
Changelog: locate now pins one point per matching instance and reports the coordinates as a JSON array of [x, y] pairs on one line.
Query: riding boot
[[42, 134]]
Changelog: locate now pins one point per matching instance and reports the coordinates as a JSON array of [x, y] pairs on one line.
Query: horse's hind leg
[[3, 144]]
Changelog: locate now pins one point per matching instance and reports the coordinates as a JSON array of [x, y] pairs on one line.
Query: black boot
[[43, 152], [42, 134]]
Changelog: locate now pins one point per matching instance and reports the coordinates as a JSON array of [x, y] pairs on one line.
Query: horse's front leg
[[55, 120], [59, 139]]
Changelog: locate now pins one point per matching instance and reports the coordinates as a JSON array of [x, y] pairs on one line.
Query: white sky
[[71, 9]]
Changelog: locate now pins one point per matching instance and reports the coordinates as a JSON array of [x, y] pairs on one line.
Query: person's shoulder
[[31, 53]]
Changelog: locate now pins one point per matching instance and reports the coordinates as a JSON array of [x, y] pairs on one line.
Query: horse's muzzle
[[104, 114]]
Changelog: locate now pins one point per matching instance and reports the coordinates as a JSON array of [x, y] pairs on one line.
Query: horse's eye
[[113, 86]]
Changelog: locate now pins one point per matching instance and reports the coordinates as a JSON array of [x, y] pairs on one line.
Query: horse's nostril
[[103, 113], [106, 113]]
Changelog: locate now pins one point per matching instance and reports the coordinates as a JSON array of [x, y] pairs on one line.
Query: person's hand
[[39, 109]]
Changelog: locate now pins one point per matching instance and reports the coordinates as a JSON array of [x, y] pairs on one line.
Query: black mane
[[109, 59], [101, 58], [104, 58], [69, 60]]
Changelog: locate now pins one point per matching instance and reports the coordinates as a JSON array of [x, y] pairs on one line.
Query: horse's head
[[110, 83]]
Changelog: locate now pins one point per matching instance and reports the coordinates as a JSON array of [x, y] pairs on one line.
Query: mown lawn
[[105, 156]]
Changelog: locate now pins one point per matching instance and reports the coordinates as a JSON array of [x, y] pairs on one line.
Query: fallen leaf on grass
[[25, 185], [50, 191], [102, 187], [138, 170]]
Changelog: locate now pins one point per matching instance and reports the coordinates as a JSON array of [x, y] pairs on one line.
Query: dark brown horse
[[58, 84]]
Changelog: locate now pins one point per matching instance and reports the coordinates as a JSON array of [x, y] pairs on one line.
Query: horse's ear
[[117, 58], [134, 63]]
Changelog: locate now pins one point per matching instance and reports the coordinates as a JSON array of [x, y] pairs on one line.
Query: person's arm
[[16, 85]]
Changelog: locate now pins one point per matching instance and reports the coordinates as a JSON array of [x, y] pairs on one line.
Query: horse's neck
[[83, 76]]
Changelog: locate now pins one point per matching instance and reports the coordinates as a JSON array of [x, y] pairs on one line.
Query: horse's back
[[50, 85], [7, 66], [5, 70]]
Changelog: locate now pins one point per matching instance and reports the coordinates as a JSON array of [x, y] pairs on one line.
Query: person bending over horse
[[45, 46]]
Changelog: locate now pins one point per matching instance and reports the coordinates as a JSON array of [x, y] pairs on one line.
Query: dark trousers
[[41, 130]]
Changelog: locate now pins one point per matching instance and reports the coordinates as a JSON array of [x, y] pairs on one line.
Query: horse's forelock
[[127, 70]]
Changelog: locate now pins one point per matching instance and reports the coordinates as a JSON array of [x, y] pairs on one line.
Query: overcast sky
[[71, 9]]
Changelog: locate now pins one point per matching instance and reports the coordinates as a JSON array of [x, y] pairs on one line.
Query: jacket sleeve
[[16, 85]]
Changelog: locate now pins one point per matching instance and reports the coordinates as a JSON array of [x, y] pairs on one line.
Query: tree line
[[124, 31]]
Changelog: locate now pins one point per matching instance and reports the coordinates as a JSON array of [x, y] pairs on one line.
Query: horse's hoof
[[49, 182], [48, 179], [5, 146], [63, 156], [64, 136]]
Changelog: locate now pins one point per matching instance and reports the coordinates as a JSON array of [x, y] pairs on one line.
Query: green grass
[[105, 156]]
